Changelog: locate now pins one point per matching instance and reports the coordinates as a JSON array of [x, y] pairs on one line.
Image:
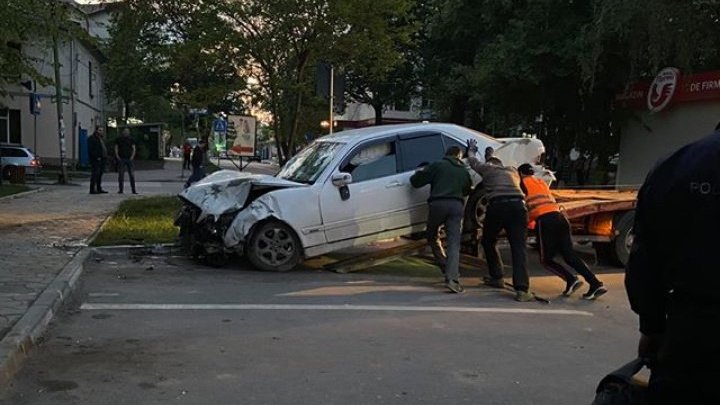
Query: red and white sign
[[670, 88], [662, 89]]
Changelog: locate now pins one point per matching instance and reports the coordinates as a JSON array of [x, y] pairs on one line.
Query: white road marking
[[348, 307]]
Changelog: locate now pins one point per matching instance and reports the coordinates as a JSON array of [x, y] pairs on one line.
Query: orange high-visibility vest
[[539, 199]]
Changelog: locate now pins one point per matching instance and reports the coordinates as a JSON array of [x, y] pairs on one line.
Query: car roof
[[354, 135]]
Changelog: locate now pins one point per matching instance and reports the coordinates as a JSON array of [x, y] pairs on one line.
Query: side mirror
[[341, 179]]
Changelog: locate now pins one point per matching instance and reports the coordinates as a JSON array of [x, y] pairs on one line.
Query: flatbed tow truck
[[601, 217]]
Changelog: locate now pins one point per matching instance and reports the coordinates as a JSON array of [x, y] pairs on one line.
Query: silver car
[[13, 157]]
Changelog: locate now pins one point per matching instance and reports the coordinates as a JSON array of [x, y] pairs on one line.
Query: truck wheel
[[617, 251], [273, 246]]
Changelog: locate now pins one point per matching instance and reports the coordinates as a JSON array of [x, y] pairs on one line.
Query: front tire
[[273, 246]]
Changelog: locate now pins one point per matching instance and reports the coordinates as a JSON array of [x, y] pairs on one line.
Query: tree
[[379, 55]]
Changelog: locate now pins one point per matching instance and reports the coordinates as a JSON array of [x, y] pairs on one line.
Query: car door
[[418, 149], [376, 199]]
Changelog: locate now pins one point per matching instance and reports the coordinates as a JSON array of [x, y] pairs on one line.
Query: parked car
[[16, 156], [346, 189]]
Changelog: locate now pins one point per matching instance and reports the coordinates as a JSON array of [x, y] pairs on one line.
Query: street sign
[[220, 125]]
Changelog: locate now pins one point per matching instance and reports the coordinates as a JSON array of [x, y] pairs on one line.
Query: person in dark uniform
[[554, 235], [449, 183], [97, 152], [673, 271], [198, 164], [187, 152], [125, 154], [506, 210]]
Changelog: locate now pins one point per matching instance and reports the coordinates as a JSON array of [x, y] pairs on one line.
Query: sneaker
[[572, 287], [494, 282], [594, 292], [523, 296], [454, 286]]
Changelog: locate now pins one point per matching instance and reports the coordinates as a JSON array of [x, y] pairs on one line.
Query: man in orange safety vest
[[553, 235]]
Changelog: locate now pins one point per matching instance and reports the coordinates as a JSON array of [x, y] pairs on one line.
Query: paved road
[[164, 330], [41, 232]]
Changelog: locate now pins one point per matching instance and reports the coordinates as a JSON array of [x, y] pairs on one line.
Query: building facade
[[84, 104], [666, 113]]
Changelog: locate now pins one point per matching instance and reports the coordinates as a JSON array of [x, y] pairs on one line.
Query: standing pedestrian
[[97, 152], [449, 183], [554, 236], [673, 270], [187, 150], [198, 164], [505, 210], [125, 154]]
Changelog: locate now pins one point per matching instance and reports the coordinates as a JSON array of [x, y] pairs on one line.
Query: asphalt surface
[[157, 330]]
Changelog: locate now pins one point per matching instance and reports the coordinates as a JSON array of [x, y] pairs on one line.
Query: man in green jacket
[[449, 182]]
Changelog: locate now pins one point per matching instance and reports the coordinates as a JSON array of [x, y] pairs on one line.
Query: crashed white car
[[346, 189]]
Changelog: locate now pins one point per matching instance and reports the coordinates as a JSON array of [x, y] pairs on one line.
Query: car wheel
[[273, 246], [475, 211], [8, 172]]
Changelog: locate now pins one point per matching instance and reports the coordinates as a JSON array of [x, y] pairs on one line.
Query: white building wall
[[79, 109], [643, 142]]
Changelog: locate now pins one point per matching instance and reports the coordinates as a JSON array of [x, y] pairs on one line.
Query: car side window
[[421, 150], [372, 162], [448, 141]]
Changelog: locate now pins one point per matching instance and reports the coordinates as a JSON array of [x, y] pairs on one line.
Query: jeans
[[450, 213], [197, 174], [122, 165]]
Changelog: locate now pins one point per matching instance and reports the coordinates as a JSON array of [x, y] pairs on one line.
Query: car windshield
[[306, 166]]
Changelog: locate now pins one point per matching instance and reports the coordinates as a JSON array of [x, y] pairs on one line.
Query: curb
[[24, 335], [24, 193]]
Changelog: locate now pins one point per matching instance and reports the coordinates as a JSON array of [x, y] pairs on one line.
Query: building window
[[10, 126], [91, 79]]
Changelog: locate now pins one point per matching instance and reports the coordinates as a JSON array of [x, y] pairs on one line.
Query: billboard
[[243, 129]]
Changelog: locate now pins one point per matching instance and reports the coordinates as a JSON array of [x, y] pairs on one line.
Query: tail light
[[35, 162]]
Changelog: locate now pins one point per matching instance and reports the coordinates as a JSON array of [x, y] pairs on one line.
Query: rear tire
[[617, 251], [273, 246]]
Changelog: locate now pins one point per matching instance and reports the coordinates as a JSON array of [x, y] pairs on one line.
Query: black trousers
[[554, 237], [512, 217], [688, 364], [97, 167]]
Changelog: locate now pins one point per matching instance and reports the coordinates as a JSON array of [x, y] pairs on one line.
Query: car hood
[[228, 190]]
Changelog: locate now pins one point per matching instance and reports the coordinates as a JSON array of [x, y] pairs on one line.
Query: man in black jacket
[[673, 271], [97, 152], [449, 183]]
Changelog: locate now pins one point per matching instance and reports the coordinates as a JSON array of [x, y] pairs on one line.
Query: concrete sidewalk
[[42, 241]]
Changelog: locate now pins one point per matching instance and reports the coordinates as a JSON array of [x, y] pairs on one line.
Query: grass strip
[[147, 220], [10, 189]]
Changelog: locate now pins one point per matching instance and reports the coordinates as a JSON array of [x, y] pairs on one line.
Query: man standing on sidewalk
[[125, 154], [449, 184], [97, 152], [553, 234], [506, 210]]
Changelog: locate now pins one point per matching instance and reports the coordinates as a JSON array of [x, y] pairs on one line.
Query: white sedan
[[346, 189]]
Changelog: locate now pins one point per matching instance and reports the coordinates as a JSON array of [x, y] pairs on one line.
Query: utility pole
[[62, 179], [332, 96]]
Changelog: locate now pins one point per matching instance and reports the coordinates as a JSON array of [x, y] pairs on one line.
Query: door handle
[[393, 184]]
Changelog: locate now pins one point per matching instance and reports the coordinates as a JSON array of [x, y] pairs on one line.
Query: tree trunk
[[126, 113], [378, 113]]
